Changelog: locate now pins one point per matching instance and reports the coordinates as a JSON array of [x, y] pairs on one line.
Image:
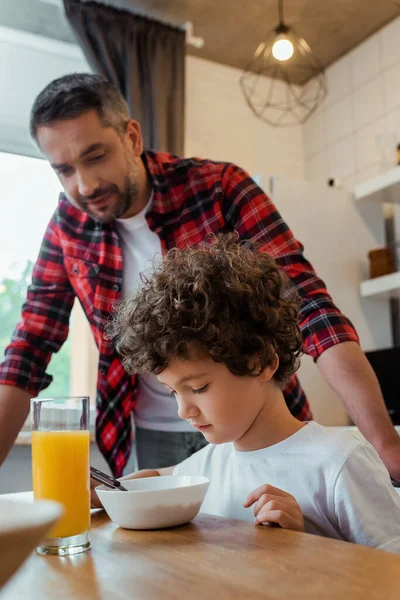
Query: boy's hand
[[273, 505], [94, 499]]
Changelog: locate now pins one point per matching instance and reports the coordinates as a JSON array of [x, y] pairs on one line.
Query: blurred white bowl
[[154, 502], [22, 526]]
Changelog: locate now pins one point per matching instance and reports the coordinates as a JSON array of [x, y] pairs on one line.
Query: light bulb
[[282, 48]]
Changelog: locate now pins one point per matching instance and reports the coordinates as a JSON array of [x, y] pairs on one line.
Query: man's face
[[99, 169]]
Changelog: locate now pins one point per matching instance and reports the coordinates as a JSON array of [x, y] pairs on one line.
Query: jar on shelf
[[382, 261]]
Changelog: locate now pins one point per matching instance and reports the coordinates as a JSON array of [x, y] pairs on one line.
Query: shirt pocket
[[77, 267], [84, 277]]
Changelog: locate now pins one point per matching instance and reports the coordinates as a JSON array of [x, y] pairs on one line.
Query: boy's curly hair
[[221, 298]]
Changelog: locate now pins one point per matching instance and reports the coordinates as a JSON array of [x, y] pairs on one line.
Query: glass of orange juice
[[61, 469]]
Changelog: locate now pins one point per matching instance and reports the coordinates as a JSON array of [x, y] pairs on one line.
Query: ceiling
[[231, 29]]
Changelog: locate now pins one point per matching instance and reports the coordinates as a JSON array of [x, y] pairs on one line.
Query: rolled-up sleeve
[[250, 212]]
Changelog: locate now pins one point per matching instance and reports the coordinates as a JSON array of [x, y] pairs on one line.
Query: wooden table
[[210, 558]]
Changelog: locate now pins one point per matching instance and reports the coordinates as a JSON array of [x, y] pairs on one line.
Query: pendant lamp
[[284, 83]]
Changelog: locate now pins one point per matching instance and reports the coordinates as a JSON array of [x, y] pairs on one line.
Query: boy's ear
[[270, 370]]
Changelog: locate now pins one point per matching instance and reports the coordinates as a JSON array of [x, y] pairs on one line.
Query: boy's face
[[221, 405]]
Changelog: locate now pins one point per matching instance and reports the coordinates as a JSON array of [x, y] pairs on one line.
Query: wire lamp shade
[[288, 89]]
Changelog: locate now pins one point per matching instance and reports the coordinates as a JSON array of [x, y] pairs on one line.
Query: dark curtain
[[145, 59]]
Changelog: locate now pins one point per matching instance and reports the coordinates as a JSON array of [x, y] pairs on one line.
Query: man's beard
[[126, 199]]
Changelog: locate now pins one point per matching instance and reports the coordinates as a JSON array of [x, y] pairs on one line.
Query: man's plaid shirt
[[81, 257]]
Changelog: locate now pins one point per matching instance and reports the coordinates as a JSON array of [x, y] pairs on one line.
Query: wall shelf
[[382, 188], [385, 287]]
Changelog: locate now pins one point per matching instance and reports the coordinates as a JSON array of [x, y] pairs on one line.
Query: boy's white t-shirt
[[339, 481]]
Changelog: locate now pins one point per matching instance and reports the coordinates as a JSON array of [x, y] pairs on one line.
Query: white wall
[[221, 126], [363, 102]]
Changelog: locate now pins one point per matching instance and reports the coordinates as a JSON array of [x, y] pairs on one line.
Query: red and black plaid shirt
[[83, 258]]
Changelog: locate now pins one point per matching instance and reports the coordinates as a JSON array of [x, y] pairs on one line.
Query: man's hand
[[273, 505], [94, 499], [14, 409], [346, 368]]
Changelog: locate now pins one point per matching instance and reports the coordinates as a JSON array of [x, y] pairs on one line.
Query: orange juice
[[61, 472]]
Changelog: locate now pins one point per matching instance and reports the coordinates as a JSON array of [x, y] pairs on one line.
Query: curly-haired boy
[[218, 325]]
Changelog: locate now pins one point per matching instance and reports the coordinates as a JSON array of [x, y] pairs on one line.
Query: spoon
[[106, 479]]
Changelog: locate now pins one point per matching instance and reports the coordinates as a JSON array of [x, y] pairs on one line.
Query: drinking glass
[[61, 469]]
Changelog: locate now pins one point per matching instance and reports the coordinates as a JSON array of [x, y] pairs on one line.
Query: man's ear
[[134, 135]]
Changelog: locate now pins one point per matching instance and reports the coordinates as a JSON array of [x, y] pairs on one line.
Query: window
[[29, 195]]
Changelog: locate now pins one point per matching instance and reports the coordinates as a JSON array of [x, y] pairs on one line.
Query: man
[[122, 208]]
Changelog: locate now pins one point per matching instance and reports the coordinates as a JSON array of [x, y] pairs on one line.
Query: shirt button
[[76, 269], [116, 287], [102, 370]]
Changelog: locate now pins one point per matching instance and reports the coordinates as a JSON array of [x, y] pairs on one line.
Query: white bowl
[[22, 526], [154, 502]]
